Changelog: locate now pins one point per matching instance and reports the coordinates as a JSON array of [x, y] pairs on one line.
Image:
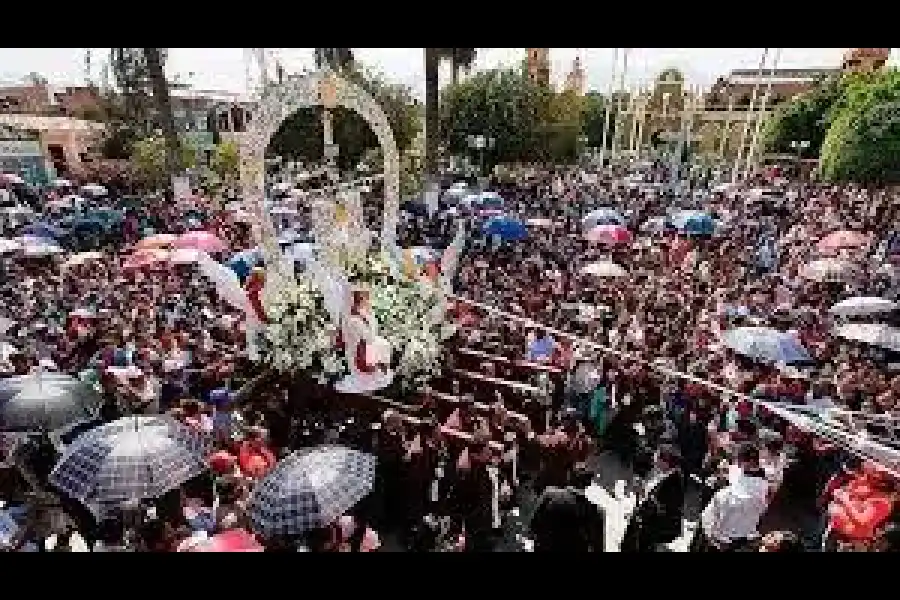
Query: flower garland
[[301, 336]]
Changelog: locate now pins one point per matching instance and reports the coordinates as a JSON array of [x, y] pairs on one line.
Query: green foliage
[[863, 143], [593, 117], [527, 121], [807, 117], [149, 158], [226, 161], [300, 136]]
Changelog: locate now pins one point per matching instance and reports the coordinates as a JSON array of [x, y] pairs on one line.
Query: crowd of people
[[553, 365]]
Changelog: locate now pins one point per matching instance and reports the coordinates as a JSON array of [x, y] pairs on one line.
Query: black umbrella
[[44, 402]]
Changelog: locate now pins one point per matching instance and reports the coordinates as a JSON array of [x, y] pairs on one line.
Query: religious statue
[[368, 354]]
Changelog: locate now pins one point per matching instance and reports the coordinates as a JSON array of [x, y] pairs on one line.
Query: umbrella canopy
[[539, 223], [186, 256], [861, 306], [609, 234], [604, 269], [602, 216], [310, 489], [657, 225], [159, 240], [873, 334], [234, 540], [841, 240], [93, 189], [694, 222], [43, 230], [42, 248], [10, 179], [144, 259], [61, 183], [9, 246], [507, 228], [766, 345], [201, 240], [131, 459], [44, 402], [83, 258], [828, 269]]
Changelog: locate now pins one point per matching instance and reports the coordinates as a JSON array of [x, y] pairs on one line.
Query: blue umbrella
[[507, 228], [243, 262], [766, 345], [602, 216], [694, 222], [44, 230]]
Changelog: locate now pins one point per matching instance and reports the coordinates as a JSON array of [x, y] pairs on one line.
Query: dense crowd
[[518, 419]]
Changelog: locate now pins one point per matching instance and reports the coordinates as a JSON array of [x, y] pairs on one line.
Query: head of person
[[667, 457], [747, 456]]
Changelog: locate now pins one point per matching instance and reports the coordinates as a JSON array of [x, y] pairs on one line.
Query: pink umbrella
[[185, 256], [233, 540], [143, 259], [842, 240], [160, 240], [609, 234], [201, 240]]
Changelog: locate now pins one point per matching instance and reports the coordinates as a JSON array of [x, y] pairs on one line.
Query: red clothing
[[857, 514], [255, 462]]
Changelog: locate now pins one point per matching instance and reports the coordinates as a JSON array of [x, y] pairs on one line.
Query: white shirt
[[734, 511]]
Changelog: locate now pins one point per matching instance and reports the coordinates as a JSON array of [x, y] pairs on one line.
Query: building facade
[[537, 62]]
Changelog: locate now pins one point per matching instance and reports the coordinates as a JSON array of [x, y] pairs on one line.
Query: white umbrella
[[83, 258], [874, 334], [62, 183], [604, 269], [862, 305], [46, 248], [9, 246], [186, 256], [94, 189], [828, 269]]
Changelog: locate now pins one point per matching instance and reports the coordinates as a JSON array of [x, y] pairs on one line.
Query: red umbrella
[[842, 240], [609, 234], [233, 540], [201, 240]]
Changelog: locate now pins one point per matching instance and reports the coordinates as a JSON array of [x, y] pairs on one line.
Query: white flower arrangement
[[301, 336]]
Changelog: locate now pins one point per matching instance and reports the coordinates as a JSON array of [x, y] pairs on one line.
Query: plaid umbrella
[[130, 459], [310, 489], [45, 401]]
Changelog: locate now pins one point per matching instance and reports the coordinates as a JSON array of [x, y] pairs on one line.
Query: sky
[[223, 69]]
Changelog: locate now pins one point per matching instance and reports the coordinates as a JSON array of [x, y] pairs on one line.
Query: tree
[[336, 58], [300, 136], [461, 58], [863, 142], [132, 80], [155, 59], [527, 121], [150, 161], [806, 118], [593, 118], [226, 161]]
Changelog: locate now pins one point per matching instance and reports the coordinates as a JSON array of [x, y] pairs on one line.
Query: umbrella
[[841, 240], [8, 246], [10, 179], [604, 269], [539, 223], [609, 234], [657, 225], [828, 269], [766, 345], [43, 248], [83, 258], [58, 183], [159, 240], [506, 228], [873, 334], [92, 189], [694, 222], [310, 489], [44, 401], [143, 259], [43, 230], [201, 240], [602, 216], [84, 313], [130, 459], [234, 540], [186, 256], [862, 305]]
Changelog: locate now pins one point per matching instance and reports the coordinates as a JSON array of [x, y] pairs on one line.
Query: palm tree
[[160, 87]]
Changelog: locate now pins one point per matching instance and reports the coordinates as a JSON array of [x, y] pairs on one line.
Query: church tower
[[575, 77], [538, 63]]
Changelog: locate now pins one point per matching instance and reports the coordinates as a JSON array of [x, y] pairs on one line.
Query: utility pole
[[608, 111]]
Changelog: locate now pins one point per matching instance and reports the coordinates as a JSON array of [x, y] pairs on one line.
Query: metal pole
[[621, 86], [746, 131], [608, 108], [754, 142], [726, 129]]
